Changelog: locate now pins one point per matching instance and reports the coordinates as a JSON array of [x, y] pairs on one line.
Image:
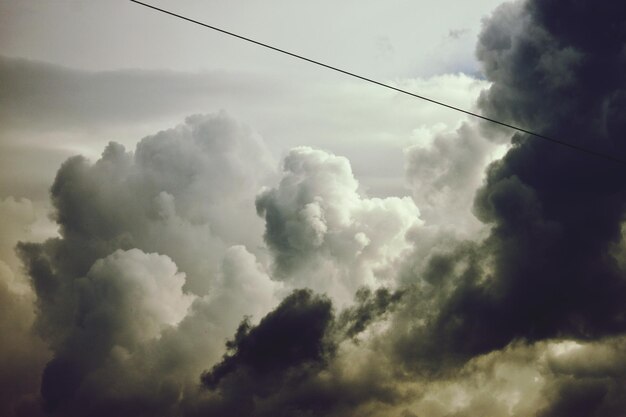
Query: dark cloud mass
[[284, 365], [165, 294], [290, 336], [548, 268], [555, 213]]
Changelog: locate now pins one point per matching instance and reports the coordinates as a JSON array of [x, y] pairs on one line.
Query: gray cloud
[[124, 300], [150, 199], [38, 95], [457, 33], [109, 307], [587, 379]]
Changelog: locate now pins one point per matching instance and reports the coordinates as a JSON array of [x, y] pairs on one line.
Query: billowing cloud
[[151, 268], [503, 294], [547, 268], [324, 234], [185, 192], [556, 213]]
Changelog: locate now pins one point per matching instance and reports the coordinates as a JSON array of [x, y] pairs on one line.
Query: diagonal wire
[[390, 87]]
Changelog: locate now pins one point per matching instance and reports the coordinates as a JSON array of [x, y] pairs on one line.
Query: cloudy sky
[[194, 226]]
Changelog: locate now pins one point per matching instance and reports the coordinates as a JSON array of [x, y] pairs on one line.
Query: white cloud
[[324, 234]]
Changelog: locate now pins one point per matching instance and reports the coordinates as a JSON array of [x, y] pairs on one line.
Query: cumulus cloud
[[324, 234], [503, 294], [151, 270], [124, 300], [547, 268], [555, 213], [118, 297], [184, 192]]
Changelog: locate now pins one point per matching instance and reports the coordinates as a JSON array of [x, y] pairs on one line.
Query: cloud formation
[[555, 213], [287, 365], [150, 260], [324, 235], [166, 294], [547, 268], [184, 192], [124, 300]]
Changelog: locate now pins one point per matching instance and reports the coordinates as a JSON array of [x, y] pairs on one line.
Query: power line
[[399, 90]]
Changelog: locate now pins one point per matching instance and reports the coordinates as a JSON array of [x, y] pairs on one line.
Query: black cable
[[360, 77]]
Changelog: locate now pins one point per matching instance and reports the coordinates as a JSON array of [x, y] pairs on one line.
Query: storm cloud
[[555, 214], [549, 267], [287, 365], [192, 277]]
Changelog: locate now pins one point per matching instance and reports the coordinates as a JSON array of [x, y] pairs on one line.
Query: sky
[[191, 225]]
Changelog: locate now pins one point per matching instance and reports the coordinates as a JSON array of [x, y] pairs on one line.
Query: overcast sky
[[114, 70]]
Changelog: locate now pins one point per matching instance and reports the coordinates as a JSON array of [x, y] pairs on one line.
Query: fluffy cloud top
[[324, 234], [151, 259], [185, 192]]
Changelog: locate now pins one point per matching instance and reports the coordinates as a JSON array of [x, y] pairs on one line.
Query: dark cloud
[[286, 365], [555, 212], [369, 306], [290, 337], [547, 268], [22, 354], [577, 398]]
